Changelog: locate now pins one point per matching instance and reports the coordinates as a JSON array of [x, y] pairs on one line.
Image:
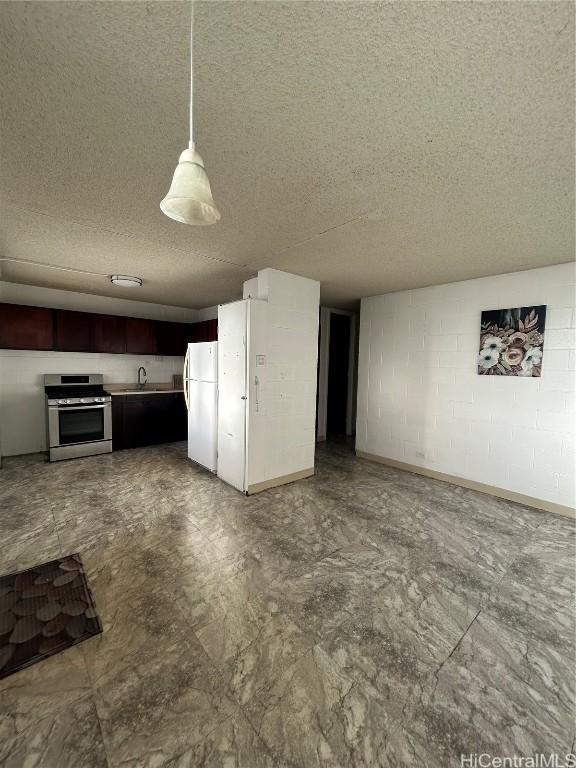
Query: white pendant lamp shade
[[189, 199]]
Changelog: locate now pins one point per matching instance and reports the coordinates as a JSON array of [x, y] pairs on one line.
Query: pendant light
[[189, 199]]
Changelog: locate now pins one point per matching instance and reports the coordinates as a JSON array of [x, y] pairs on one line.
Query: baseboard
[[492, 490], [265, 484]]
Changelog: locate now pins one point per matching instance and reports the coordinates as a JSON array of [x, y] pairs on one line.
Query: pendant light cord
[[191, 142]]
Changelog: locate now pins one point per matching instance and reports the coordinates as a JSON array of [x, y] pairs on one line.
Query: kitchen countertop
[[144, 391]]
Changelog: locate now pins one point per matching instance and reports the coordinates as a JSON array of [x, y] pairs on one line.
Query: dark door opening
[[338, 366]]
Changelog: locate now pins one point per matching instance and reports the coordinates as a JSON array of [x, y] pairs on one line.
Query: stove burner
[[68, 392]]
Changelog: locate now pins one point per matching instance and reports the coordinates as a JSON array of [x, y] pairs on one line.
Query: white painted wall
[[281, 430], [22, 416], [208, 313], [421, 401], [15, 293]]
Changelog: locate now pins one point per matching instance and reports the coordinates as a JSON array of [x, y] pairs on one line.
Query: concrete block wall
[[421, 401]]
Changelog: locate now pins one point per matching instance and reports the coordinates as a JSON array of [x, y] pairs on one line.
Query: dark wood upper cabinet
[[72, 331], [187, 334], [199, 332], [25, 327], [109, 333], [211, 330], [167, 338], [141, 337], [173, 338], [206, 330]]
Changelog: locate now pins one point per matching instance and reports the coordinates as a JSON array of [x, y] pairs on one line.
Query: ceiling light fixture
[[125, 281], [189, 199]]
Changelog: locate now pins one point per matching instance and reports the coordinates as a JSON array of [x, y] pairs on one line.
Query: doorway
[[336, 373]]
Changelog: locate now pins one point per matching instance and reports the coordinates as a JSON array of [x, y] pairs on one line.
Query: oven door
[[70, 425]]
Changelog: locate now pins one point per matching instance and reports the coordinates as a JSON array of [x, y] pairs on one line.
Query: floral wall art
[[512, 341]]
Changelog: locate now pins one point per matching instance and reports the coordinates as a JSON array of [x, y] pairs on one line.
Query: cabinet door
[[135, 421], [166, 338], [187, 334], [139, 420], [109, 333], [26, 327], [118, 422], [199, 332], [141, 336], [172, 338], [211, 330], [174, 417], [207, 330], [73, 331], [159, 422], [179, 418]]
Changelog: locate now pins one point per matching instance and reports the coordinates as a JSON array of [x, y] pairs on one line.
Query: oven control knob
[[62, 402], [83, 400]]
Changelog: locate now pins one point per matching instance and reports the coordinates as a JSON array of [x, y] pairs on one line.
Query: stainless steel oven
[[79, 415]]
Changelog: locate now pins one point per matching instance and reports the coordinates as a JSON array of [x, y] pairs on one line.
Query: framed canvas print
[[512, 341]]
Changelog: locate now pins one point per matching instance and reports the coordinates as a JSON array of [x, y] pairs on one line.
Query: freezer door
[[203, 361], [203, 423], [232, 323]]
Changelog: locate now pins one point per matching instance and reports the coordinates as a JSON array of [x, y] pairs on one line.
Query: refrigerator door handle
[[185, 378]]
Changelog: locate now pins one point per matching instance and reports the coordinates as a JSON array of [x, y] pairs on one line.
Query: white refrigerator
[[242, 334], [201, 395]]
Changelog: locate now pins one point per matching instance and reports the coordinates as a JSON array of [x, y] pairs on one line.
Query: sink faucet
[[142, 370]]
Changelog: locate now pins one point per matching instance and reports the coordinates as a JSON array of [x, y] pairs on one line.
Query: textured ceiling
[[372, 146]]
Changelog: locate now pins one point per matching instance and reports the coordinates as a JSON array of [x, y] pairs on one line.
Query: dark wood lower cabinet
[[139, 420]]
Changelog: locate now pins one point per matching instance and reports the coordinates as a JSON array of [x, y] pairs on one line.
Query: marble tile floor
[[362, 617]]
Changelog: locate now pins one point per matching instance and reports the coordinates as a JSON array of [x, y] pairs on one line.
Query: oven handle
[[80, 406]]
